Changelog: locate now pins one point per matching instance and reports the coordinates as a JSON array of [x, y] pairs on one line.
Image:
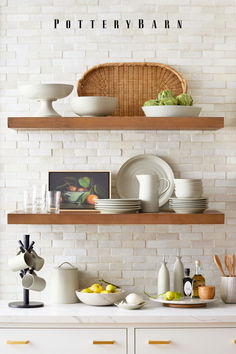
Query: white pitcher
[[150, 192]]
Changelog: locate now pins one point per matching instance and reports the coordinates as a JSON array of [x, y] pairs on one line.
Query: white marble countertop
[[152, 313]]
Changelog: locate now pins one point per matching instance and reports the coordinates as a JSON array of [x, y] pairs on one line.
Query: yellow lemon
[[87, 290], [169, 295], [110, 288], [104, 292], [95, 287], [97, 291]]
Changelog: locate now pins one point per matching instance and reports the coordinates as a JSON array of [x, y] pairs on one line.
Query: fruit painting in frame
[[80, 189]]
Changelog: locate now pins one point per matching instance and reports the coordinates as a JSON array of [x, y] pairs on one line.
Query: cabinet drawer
[[179, 341], [63, 341]]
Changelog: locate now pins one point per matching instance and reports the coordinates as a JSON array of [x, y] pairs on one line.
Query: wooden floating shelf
[[116, 123], [209, 217]]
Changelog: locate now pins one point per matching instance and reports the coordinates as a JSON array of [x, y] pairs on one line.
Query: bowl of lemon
[[100, 295]]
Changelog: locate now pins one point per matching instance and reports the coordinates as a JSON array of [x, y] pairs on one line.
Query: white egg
[[133, 299]]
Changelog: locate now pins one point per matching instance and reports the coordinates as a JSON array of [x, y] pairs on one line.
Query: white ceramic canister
[[163, 281], [64, 282], [178, 275], [228, 290]]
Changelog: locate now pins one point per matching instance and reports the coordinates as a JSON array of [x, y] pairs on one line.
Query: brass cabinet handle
[[17, 341], [234, 341], [103, 341], [159, 342]]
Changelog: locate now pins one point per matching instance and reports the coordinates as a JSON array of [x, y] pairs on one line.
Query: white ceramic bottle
[[163, 281], [178, 275]]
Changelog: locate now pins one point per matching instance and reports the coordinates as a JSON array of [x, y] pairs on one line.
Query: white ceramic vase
[[150, 192], [163, 281], [178, 275]]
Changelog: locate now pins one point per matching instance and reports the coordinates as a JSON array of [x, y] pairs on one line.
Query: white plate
[[189, 211], [118, 211], [188, 205], [123, 305], [127, 183], [184, 301], [188, 199], [120, 200], [114, 203], [117, 208]]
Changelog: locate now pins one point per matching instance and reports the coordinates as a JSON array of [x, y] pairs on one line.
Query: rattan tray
[[132, 83]]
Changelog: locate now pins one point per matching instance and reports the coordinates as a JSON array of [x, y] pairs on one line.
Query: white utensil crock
[[64, 282], [150, 192], [228, 290]]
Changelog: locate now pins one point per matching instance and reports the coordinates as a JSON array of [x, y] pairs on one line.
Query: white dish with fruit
[[97, 295], [166, 104]]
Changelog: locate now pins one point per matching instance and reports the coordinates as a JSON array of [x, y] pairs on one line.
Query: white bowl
[[188, 194], [94, 106], [171, 111], [46, 93], [187, 180], [100, 299]]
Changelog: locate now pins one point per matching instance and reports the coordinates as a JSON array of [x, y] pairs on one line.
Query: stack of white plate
[[188, 188], [118, 206], [188, 205]]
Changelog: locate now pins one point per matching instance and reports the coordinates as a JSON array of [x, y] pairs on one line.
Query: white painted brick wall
[[203, 51]]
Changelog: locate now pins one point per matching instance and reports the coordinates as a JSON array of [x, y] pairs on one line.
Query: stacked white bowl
[[188, 188], [189, 197]]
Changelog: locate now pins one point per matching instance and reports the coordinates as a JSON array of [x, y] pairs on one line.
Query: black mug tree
[[26, 246]]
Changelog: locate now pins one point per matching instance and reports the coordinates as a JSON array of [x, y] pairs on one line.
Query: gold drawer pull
[[234, 341], [103, 341], [159, 342], [17, 341]]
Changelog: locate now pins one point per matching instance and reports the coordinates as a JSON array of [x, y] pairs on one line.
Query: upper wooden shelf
[[116, 123], [209, 217]]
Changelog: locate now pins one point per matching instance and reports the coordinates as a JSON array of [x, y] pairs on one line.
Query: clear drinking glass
[[27, 203], [53, 202], [39, 199]]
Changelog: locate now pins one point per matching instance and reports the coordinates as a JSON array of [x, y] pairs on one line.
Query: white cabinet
[[114, 341], [183, 340], [63, 341]]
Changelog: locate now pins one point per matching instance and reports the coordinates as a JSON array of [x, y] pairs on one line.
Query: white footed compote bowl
[[46, 94]]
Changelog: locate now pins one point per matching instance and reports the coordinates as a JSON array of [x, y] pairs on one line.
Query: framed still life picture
[[80, 189]]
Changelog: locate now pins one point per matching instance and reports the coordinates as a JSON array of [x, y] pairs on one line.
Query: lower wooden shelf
[[209, 217]]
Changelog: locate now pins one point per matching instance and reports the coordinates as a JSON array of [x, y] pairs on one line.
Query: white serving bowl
[[94, 299], [94, 106], [171, 111], [46, 94]]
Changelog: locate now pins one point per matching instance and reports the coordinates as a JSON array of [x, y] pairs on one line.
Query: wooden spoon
[[219, 265], [229, 264], [234, 264]]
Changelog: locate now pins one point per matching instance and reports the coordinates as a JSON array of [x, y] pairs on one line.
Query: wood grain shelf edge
[[209, 217], [116, 123]]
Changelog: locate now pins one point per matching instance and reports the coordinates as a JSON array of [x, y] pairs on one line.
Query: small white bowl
[[188, 194], [187, 180], [93, 106], [171, 111], [94, 299]]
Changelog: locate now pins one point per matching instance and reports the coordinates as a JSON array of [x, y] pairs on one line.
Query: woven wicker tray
[[132, 83]]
